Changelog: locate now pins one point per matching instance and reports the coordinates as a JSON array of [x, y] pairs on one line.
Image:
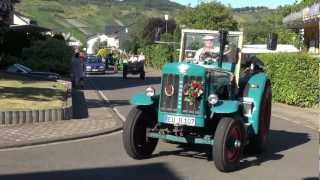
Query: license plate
[[180, 120], [95, 70]]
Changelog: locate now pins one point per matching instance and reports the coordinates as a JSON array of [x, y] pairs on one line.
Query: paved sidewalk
[[92, 116], [302, 116]]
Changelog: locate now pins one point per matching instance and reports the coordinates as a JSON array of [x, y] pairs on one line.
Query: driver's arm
[[198, 54]]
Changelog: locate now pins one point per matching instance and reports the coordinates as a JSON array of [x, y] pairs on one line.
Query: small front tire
[[228, 145], [135, 140]]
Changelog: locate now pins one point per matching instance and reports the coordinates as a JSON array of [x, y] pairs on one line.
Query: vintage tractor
[[133, 68], [214, 99]]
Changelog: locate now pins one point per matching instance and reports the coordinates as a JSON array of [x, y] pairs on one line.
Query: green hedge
[[157, 55], [48, 55], [294, 78]]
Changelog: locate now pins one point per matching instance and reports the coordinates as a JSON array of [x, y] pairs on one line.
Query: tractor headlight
[[213, 99], [150, 91]]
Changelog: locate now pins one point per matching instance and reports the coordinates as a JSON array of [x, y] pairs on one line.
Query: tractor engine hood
[[184, 69]]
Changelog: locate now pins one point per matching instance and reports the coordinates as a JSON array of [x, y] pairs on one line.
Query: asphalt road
[[292, 154]]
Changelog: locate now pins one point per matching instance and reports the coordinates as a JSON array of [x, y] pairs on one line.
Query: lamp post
[[166, 18]]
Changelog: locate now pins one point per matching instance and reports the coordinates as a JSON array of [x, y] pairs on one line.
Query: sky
[[243, 3]]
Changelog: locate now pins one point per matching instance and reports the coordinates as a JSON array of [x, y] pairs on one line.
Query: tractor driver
[[208, 51]]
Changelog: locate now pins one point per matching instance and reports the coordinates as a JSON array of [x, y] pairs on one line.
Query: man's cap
[[208, 37]]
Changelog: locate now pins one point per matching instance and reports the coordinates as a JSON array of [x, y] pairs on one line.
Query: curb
[[61, 139], [116, 128], [20, 117]]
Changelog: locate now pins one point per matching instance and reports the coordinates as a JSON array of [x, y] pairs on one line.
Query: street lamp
[[166, 18]]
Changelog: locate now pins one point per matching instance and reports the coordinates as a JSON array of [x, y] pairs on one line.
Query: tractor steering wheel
[[209, 57]]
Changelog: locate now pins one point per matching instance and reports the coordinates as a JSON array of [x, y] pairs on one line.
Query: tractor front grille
[[187, 107], [168, 101]]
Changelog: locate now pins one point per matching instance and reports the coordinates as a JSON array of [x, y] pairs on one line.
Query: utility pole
[[166, 18]]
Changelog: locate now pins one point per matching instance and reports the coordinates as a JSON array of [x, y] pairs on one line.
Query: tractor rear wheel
[[135, 140], [142, 75], [258, 143], [228, 145]]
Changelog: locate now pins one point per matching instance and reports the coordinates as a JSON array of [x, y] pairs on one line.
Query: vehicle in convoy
[[133, 67], [94, 64], [20, 69], [212, 99]]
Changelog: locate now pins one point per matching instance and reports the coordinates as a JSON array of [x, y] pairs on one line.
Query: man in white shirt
[[207, 50], [141, 57]]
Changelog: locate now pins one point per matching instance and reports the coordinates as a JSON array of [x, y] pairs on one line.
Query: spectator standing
[[77, 71]]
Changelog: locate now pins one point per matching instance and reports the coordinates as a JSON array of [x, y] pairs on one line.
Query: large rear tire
[[124, 71], [228, 145], [142, 76], [259, 142], [135, 140]]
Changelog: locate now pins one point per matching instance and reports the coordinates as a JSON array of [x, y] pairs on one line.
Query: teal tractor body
[[204, 103]]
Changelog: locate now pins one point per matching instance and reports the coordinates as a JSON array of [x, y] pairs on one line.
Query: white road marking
[[105, 98]]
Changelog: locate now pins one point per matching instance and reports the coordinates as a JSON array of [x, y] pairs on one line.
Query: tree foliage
[[154, 27], [211, 16], [48, 55]]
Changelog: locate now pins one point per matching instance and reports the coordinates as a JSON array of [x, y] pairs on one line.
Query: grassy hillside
[[245, 17], [86, 17]]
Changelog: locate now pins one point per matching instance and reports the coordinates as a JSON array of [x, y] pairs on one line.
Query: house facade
[[307, 21]]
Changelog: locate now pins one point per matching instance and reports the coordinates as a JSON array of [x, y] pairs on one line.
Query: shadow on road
[[116, 82], [311, 178], [279, 141], [155, 171], [79, 105]]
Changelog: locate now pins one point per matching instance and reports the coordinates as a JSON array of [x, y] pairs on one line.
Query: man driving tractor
[[208, 49]]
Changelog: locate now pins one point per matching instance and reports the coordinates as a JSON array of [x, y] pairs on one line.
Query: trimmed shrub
[[157, 55], [50, 55], [294, 78]]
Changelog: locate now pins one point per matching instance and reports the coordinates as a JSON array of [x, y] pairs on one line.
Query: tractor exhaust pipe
[[223, 42]]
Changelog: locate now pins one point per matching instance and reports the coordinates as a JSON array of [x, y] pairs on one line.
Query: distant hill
[[251, 14], [86, 17], [83, 18]]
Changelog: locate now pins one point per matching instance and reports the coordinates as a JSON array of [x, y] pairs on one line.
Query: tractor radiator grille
[[169, 93], [187, 107]]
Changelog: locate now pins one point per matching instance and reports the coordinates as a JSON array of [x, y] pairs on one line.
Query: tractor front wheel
[[228, 145], [135, 140]]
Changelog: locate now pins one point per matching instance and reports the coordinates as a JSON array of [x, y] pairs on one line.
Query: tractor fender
[[225, 107], [254, 90], [141, 99]]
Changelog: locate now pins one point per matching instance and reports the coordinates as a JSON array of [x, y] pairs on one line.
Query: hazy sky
[[242, 3]]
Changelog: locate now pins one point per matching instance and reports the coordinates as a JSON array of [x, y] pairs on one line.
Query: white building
[[111, 41]]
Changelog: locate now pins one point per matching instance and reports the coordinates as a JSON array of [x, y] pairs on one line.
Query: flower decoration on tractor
[[193, 91]]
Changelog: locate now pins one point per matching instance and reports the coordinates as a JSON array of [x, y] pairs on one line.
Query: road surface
[[292, 153]]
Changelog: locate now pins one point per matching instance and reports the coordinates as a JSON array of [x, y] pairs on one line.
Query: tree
[[154, 27], [211, 16]]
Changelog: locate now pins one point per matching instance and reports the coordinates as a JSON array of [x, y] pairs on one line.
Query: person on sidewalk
[[77, 72]]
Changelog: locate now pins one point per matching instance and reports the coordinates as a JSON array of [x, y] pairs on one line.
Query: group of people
[[136, 57]]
